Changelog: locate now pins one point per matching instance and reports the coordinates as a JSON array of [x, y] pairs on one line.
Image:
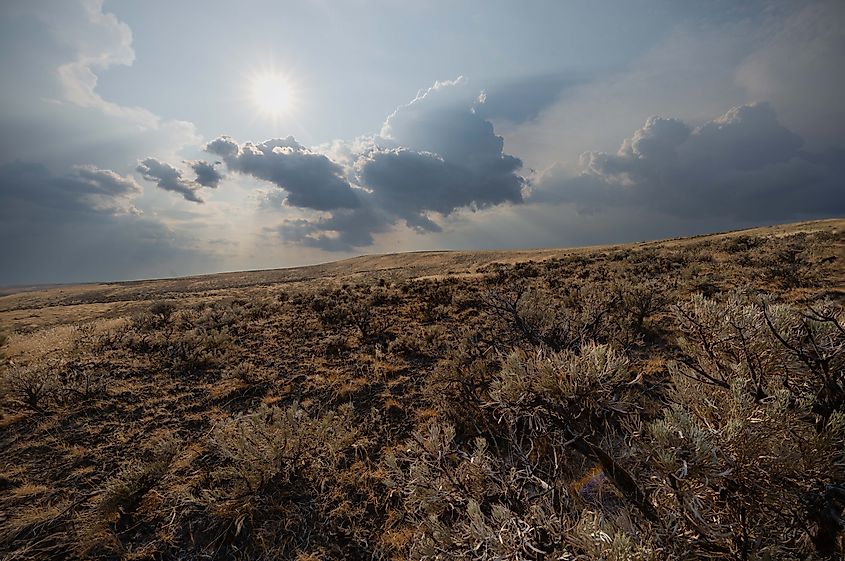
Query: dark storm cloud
[[311, 180], [169, 178], [81, 223], [435, 155], [84, 189], [744, 165], [409, 183], [207, 176], [440, 156]]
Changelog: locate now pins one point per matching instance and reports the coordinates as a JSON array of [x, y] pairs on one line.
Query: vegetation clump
[[682, 401]]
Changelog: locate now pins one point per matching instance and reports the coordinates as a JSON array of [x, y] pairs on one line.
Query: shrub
[[742, 243], [507, 495], [751, 445], [532, 316], [336, 345], [772, 346], [460, 384], [359, 314], [198, 350], [743, 475], [162, 311], [544, 418], [78, 381], [457, 499], [641, 301], [31, 387], [791, 263], [245, 372], [276, 464], [423, 342], [538, 317], [744, 459], [124, 492]]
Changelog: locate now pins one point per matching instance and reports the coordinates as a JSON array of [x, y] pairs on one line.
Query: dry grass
[[544, 404]]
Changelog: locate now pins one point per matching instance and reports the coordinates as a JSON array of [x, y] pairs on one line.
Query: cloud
[[60, 49], [436, 165], [409, 184], [207, 176], [311, 180], [796, 65], [78, 78], [441, 156], [742, 165], [522, 99], [689, 73], [63, 221], [169, 178], [443, 120], [787, 53], [434, 156], [343, 230], [81, 226], [84, 189]]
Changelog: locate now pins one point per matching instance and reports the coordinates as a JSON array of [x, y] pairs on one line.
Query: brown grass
[[328, 379]]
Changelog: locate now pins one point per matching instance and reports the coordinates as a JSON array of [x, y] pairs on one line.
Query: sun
[[272, 94]]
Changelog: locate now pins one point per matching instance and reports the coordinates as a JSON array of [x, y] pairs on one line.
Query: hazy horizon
[[146, 139]]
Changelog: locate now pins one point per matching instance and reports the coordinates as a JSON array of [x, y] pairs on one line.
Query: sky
[[147, 139]]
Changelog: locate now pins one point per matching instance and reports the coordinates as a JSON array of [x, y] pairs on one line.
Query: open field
[[23, 309], [678, 399]]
